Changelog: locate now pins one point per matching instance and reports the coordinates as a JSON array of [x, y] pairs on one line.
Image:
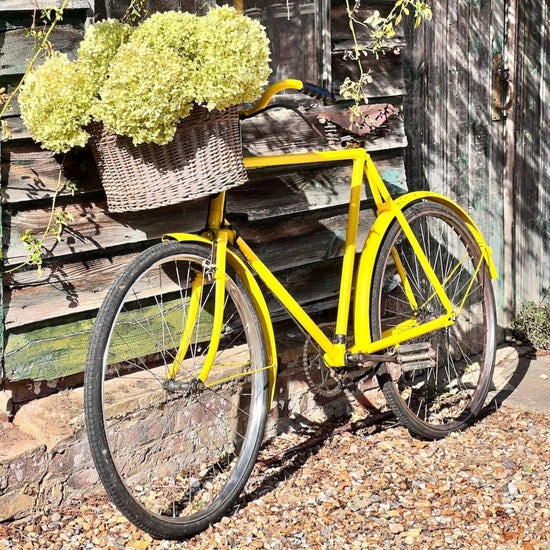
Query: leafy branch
[[384, 30], [57, 221], [135, 12]]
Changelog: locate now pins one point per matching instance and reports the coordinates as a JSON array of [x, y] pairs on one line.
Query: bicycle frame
[[219, 235]]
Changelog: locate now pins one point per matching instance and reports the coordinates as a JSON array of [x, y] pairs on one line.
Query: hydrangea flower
[[140, 82], [145, 95], [55, 105], [234, 59], [101, 42]]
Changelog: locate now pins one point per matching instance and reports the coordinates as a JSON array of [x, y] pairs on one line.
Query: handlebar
[[289, 84]]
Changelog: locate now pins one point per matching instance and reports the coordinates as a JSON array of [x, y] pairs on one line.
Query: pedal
[[415, 357]]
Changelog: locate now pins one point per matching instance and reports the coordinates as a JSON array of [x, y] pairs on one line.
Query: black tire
[[444, 393], [171, 456]]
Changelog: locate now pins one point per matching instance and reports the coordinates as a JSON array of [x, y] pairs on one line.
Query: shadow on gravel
[[276, 464]]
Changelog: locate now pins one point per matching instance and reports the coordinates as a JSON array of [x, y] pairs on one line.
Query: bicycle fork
[[219, 251]]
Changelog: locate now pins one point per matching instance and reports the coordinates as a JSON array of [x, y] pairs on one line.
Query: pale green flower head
[[145, 95], [55, 104], [98, 47], [140, 82], [234, 59], [172, 30]]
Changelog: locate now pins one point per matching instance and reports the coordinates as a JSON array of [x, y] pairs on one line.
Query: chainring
[[323, 380]]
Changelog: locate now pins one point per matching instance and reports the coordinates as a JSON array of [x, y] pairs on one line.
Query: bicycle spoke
[[435, 399]]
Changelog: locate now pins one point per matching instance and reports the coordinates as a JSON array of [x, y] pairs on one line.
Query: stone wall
[[45, 460]]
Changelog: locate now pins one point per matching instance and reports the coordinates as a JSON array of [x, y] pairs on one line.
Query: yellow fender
[[374, 239], [257, 297]]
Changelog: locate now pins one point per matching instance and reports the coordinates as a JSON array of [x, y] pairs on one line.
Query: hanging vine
[[384, 30]]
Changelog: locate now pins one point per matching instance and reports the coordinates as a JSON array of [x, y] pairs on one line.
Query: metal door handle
[[510, 94], [503, 88]]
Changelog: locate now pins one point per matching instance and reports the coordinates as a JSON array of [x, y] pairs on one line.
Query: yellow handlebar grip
[[288, 84]]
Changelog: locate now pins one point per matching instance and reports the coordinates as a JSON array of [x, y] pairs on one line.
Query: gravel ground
[[357, 486]]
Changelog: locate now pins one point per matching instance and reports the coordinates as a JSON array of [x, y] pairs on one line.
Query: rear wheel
[[441, 380], [174, 455]]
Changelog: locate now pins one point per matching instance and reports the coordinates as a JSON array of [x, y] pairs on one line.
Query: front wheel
[[173, 453], [441, 380]]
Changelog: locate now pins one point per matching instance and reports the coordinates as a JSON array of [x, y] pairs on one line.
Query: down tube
[[334, 353]]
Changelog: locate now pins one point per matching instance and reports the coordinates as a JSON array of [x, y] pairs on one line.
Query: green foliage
[[58, 220], [532, 324], [140, 82], [384, 29], [135, 12]]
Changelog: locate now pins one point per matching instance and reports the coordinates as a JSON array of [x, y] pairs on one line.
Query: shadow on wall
[[457, 149]]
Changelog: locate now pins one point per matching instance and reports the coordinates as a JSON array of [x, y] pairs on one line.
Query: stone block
[[17, 504], [54, 419]]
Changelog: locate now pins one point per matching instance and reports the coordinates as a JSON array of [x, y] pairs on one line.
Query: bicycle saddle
[[372, 118]]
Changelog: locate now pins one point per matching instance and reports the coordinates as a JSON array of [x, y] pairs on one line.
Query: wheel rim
[[183, 454], [445, 395]]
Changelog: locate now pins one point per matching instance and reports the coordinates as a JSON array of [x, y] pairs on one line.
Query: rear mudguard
[[257, 297], [368, 259]]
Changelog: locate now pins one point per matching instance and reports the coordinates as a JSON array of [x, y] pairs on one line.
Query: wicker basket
[[204, 158]]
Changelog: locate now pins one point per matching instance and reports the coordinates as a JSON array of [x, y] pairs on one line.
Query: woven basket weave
[[204, 158]]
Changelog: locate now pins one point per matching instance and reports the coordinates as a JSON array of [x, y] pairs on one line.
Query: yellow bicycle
[[182, 361]]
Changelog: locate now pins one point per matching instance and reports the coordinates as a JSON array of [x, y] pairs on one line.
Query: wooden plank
[[17, 48], [414, 107], [95, 229], [29, 5], [63, 289], [531, 193], [480, 63], [30, 173], [69, 287], [506, 283], [281, 131], [47, 353], [387, 74], [59, 350], [295, 191], [290, 27]]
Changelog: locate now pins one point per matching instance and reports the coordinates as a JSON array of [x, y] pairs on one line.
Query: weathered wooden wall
[[494, 168], [530, 186], [296, 219]]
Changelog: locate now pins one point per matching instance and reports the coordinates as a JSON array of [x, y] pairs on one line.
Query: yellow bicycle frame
[[388, 211]]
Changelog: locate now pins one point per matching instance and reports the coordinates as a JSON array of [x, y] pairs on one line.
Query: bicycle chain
[[333, 381]]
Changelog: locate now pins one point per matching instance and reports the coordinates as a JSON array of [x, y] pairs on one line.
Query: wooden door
[[529, 152], [458, 145]]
